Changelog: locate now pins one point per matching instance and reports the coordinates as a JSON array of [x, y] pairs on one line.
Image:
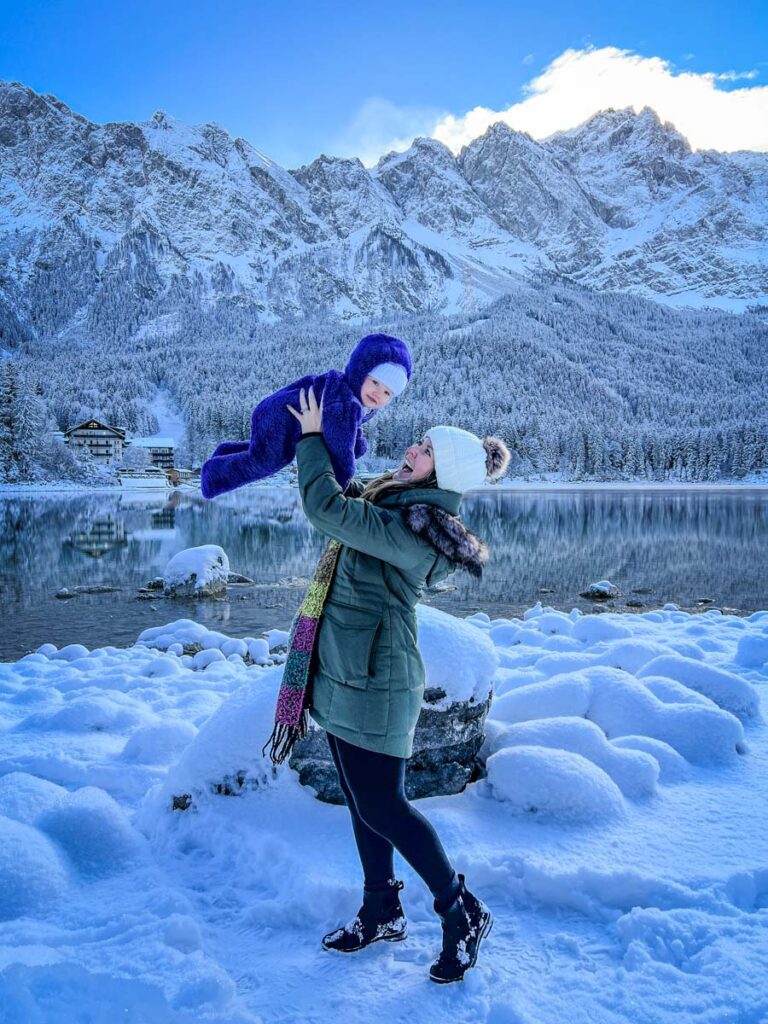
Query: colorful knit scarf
[[292, 700]]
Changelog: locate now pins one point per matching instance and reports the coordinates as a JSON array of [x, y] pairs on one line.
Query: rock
[[63, 594], [633, 602], [444, 757], [96, 589], [238, 578], [440, 588], [601, 591], [292, 581], [156, 584], [199, 572]]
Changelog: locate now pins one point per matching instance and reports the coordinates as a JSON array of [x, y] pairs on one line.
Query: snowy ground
[[619, 837], [170, 418]]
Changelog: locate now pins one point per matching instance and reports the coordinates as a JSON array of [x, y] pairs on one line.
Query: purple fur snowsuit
[[275, 431]]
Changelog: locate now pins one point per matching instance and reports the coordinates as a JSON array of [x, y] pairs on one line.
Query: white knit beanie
[[460, 458], [392, 375]]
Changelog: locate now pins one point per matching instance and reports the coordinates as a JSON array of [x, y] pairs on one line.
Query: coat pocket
[[346, 644]]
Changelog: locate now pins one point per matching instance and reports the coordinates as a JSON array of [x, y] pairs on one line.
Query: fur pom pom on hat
[[463, 461]]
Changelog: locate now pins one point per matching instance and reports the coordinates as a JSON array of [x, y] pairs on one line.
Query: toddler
[[377, 371]]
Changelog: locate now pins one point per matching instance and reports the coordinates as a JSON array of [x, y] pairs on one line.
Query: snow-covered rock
[[459, 663], [197, 572], [553, 783], [634, 772]]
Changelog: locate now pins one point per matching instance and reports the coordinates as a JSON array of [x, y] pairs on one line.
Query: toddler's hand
[[311, 415]]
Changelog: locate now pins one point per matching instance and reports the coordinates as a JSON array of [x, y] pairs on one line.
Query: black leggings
[[383, 819]]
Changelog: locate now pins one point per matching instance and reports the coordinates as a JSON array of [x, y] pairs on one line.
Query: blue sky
[[301, 78]]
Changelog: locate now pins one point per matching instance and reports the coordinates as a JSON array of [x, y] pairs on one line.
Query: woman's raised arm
[[352, 521]]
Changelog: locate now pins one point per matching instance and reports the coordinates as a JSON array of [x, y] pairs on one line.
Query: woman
[[367, 676]]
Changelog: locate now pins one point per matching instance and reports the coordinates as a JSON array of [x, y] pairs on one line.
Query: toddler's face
[[374, 394]]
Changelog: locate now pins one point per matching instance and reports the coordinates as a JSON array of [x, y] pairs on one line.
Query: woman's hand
[[311, 415]]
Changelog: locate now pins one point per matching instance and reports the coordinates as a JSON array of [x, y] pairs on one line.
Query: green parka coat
[[367, 680]]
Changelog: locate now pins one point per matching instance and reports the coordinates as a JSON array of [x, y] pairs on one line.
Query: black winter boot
[[465, 922], [380, 917]]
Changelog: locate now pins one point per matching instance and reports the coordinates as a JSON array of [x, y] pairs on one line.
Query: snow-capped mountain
[[146, 216], [674, 221]]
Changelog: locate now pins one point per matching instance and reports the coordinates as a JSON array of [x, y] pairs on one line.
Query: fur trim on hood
[[448, 535]]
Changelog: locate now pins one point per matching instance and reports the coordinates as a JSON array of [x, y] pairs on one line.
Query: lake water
[[656, 545]]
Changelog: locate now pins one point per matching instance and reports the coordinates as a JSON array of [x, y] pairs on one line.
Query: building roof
[[95, 425]]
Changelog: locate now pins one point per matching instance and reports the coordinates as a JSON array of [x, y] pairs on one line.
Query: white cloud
[[578, 83], [571, 89], [379, 127], [734, 76]]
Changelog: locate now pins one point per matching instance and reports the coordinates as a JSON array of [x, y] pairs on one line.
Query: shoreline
[[516, 484]]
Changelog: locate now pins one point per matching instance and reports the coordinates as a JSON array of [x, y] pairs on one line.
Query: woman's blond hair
[[382, 485]]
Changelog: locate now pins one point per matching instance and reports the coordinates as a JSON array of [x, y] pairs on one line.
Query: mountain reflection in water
[[655, 545]]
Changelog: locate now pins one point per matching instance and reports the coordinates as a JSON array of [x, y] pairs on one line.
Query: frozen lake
[[657, 545]]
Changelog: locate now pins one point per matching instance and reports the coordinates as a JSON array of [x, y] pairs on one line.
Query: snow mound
[[59, 993], [554, 623], [593, 628], [504, 633], [560, 695], [458, 658], [159, 743], [671, 692], [631, 654], [752, 651], [621, 705], [94, 832], [726, 689], [98, 713], [72, 652], [24, 796], [554, 784], [673, 766], [634, 772], [227, 746], [32, 872]]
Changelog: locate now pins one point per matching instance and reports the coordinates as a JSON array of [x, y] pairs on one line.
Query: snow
[[204, 566], [634, 772], [457, 659], [619, 836], [553, 783], [32, 870], [156, 441]]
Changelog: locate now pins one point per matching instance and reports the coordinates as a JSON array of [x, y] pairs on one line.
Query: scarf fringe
[[283, 737]]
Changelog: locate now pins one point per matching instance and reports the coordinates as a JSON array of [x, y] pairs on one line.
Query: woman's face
[[418, 463]]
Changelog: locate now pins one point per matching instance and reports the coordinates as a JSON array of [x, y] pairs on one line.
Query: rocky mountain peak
[[618, 202], [623, 129]]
